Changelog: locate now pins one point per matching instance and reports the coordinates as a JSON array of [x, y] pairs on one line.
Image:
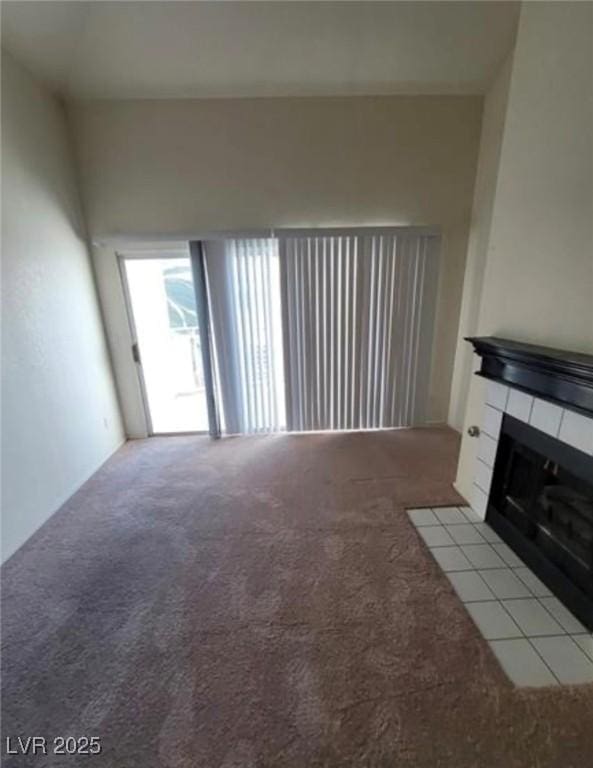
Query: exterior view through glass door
[[165, 321]]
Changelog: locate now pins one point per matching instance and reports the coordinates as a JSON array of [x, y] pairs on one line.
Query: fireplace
[[541, 504], [534, 472]]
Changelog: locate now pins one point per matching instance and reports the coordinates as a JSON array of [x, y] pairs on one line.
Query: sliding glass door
[[303, 331], [167, 348]]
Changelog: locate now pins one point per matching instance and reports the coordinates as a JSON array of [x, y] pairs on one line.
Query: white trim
[[138, 366], [153, 251]]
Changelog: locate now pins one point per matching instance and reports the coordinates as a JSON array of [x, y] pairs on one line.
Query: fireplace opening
[[541, 504]]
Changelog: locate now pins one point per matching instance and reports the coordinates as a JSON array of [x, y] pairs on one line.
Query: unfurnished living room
[[297, 384]]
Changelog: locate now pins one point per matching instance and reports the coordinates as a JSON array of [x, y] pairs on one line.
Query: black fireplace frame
[[580, 465], [564, 378]]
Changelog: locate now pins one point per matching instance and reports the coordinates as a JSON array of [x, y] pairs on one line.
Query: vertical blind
[[357, 320], [244, 287], [323, 331]]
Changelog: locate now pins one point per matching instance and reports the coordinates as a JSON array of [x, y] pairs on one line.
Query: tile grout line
[[566, 632], [506, 400], [539, 600], [531, 409], [480, 487], [481, 460], [525, 636], [528, 637], [483, 432], [545, 663], [515, 622], [521, 636], [560, 423]]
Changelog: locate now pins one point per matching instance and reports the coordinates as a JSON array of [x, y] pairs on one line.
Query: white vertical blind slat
[[298, 335], [319, 332], [253, 333], [347, 332], [247, 334], [265, 352], [355, 334], [326, 337], [332, 343]]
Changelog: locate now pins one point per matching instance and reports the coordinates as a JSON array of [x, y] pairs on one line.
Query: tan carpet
[[265, 602]]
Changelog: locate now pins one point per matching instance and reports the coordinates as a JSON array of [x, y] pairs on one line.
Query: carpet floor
[[265, 602]]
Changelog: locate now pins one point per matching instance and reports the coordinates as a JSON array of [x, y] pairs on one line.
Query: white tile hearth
[[507, 555], [523, 665], [470, 586], [533, 584], [532, 617], [465, 534], [451, 559], [423, 517], [563, 616], [504, 583], [471, 515], [536, 640], [450, 515], [565, 658], [487, 533], [586, 643], [435, 535], [493, 621], [482, 556]]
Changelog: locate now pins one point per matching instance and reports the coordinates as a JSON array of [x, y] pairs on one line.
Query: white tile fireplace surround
[[535, 637], [527, 538], [566, 425], [536, 640]]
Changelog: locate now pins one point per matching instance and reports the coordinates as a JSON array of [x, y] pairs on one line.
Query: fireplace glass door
[[541, 503]]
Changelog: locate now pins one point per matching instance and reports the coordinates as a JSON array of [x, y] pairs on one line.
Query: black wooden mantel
[[564, 378]]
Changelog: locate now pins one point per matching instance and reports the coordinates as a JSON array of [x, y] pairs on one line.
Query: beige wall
[[495, 107], [180, 167], [60, 417], [538, 276]]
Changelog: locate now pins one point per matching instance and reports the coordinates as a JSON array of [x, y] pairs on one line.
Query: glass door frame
[[167, 252]]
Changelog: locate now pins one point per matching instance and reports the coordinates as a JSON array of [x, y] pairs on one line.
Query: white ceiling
[[198, 49]]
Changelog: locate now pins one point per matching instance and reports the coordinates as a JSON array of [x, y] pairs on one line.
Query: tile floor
[[534, 637]]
